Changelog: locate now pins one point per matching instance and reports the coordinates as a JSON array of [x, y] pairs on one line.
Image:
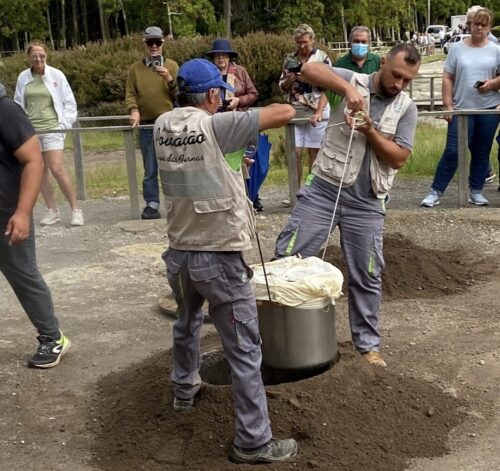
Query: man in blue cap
[[210, 221]]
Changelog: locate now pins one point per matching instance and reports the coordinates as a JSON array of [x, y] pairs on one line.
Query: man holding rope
[[375, 127]]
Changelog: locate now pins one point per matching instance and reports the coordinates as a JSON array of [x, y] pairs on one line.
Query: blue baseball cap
[[199, 76]]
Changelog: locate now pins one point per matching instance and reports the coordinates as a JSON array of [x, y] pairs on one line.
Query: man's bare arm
[[321, 75], [275, 116], [30, 157]]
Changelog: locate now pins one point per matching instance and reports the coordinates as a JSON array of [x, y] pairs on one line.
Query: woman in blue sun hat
[[244, 96]]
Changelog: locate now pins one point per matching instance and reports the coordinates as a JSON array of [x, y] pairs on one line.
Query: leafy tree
[[23, 16], [68, 23], [296, 12], [191, 16]]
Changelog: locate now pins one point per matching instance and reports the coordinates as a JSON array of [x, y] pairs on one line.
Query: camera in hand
[[293, 66], [478, 84], [156, 61], [225, 104]]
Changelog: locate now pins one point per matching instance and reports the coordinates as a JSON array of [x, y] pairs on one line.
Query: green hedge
[[97, 74]]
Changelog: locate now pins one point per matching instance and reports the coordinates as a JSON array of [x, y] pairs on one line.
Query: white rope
[[347, 111], [362, 121]]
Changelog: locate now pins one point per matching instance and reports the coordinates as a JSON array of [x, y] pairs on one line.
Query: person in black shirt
[[21, 170]]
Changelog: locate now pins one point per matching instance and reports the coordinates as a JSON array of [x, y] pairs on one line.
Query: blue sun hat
[[199, 76], [222, 46]]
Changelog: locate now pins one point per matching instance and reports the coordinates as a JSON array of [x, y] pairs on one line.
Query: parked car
[[435, 29], [454, 40]]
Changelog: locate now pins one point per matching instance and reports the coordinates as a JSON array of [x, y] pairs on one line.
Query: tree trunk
[[227, 17], [63, 24], [344, 26], [85, 22], [124, 15], [74, 17], [102, 18], [49, 27]]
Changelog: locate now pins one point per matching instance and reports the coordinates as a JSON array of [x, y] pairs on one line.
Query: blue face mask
[[359, 50]]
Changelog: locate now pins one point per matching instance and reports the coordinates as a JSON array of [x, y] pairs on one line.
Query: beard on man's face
[[388, 92]]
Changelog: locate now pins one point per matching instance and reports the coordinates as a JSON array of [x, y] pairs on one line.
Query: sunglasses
[[154, 42]]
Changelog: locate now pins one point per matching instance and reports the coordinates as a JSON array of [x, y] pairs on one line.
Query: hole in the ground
[[215, 370]]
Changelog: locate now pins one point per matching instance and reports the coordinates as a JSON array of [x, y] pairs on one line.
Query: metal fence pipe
[[78, 163], [291, 158], [293, 183], [432, 93], [463, 160], [128, 140]]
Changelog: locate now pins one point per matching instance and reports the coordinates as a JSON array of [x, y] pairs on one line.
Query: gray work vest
[[329, 163], [205, 199]]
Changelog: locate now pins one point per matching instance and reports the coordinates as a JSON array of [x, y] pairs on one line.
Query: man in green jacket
[[359, 59], [150, 92]]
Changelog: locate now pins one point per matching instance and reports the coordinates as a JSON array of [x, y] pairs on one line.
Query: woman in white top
[[47, 98]]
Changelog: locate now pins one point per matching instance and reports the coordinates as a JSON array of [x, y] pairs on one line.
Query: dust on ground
[[108, 405]]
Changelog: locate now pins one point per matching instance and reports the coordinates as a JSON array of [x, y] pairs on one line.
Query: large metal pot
[[295, 338]]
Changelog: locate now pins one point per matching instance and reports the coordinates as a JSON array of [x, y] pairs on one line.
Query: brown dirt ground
[[108, 405]]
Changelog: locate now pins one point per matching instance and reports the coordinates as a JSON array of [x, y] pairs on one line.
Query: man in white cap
[[150, 91], [210, 222]]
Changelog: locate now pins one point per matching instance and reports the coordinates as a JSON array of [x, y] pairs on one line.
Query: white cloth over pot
[[300, 282]]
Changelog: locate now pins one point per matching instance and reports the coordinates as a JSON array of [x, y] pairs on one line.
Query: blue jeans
[[150, 189], [498, 142], [481, 130]]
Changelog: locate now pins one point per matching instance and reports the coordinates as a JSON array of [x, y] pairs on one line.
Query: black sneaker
[[273, 450], [49, 352], [183, 404], [150, 213], [257, 205]]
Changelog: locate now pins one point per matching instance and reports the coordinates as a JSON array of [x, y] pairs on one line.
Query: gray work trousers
[[223, 278], [361, 237], [18, 264]]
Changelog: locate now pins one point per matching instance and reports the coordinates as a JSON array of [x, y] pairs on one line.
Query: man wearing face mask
[[359, 59]]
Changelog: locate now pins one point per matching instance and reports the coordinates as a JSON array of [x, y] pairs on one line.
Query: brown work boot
[[374, 358]]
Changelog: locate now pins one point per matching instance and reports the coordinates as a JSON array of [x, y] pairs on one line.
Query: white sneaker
[[490, 178], [286, 203], [432, 199], [476, 197], [51, 217], [77, 217]]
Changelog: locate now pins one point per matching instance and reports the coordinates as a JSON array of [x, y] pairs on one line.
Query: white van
[[435, 29]]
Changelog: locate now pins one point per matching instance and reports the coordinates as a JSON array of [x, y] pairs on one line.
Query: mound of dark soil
[[351, 417], [413, 271]]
